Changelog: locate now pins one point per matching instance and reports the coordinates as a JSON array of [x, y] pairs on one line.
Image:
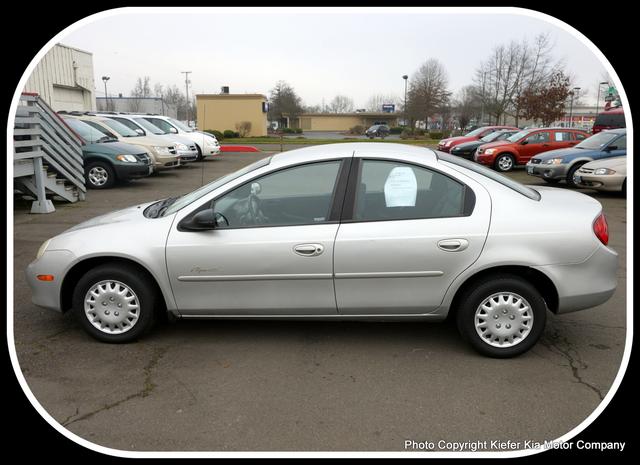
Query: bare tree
[[340, 104], [467, 105], [283, 102], [428, 91], [376, 101], [141, 90]]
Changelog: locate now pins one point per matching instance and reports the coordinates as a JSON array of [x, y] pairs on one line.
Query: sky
[[319, 54]]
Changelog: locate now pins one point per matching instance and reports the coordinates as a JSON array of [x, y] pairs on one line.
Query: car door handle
[[453, 245], [309, 250]]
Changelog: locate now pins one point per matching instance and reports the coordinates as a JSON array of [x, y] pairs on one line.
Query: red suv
[[504, 155], [446, 144], [609, 119]]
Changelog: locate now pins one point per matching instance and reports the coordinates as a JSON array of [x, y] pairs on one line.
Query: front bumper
[[603, 182], [188, 155], [166, 161], [126, 171], [468, 154], [46, 294], [547, 171], [587, 284], [211, 150], [484, 159], [444, 148]]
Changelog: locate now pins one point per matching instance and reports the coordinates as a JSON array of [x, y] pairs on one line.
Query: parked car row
[[121, 147]]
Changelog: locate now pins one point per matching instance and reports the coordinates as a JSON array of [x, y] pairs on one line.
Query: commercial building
[[340, 121], [231, 111], [64, 79]]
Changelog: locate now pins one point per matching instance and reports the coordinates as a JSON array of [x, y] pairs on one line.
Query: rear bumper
[[587, 284]]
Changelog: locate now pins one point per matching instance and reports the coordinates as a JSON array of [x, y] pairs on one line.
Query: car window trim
[[338, 190], [468, 195]]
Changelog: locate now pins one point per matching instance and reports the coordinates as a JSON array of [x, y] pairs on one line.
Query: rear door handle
[[309, 250], [453, 245]]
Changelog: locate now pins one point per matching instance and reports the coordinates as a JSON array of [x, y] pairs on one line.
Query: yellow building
[[341, 121], [230, 111]]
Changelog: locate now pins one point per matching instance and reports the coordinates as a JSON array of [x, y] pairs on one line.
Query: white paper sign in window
[[401, 187]]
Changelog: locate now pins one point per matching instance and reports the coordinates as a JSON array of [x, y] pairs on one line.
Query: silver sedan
[[344, 231]]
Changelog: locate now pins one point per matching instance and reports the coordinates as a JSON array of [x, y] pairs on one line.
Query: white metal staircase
[[47, 156]]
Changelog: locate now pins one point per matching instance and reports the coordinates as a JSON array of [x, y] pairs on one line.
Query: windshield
[[152, 128], [102, 129], [491, 136], [518, 135], [204, 190], [491, 174], [160, 123], [88, 133], [597, 141], [180, 125], [476, 132], [119, 128]]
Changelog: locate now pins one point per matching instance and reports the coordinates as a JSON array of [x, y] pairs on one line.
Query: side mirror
[[524, 142], [611, 148], [173, 130], [140, 131], [204, 220]]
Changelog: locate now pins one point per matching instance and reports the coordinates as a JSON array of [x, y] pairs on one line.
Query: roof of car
[[616, 130]]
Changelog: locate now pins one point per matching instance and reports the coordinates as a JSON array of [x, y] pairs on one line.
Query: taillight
[[601, 229]]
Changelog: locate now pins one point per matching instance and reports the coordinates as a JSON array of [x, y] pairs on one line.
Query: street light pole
[[573, 92], [186, 85], [598, 101], [106, 96], [405, 77]]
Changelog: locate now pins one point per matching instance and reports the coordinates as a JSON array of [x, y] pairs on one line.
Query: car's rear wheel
[[99, 175], [504, 162], [570, 174], [115, 303], [502, 316]]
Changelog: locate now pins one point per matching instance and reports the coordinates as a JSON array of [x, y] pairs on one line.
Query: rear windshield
[[611, 120], [489, 173]]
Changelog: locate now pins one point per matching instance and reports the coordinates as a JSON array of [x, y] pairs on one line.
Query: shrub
[[298, 130], [244, 128], [288, 131], [436, 135], [396, 130], [229, 134], [357, 130], [217, 134]]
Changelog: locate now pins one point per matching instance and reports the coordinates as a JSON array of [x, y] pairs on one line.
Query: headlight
[[489, 151], [127, 158], [604, 171], [42, 248], [553, 161], [182, 147], [162, 150], [439, 143]]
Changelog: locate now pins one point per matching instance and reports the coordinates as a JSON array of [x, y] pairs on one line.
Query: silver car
[[344, 231]]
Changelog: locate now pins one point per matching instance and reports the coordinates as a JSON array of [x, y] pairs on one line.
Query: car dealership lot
[[251, 385]]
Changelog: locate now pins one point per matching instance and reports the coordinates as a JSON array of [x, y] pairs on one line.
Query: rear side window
[[561, 136], [389, 190]]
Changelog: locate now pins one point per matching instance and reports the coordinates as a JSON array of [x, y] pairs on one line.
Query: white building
[[154, 105], [64, 79]]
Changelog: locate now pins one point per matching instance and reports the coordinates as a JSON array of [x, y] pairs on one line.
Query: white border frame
[[298, 10]]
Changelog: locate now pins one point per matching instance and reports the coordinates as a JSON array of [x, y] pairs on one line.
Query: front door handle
[[453, 245], [309, 250]]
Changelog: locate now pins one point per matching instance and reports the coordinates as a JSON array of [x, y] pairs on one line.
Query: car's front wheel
[[502, 316], [504, 162], [571, 173], [100, 175], [115, 303]]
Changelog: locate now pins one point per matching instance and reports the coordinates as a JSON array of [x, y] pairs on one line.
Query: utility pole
[[106, 97], [573, 92], [598, 100], [186, 85]]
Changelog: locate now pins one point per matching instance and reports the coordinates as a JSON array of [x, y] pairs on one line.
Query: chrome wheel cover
[[98, 176], [111, 307], [505, 163], [503, 319]]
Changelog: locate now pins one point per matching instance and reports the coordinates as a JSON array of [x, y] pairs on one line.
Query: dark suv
[[609, 119], [378, 130]]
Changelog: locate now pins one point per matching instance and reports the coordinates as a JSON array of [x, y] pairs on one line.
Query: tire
[[551, 181], [624, 187], [199, 157], [99, 175], [493, 295], [570, 174], [106, 281], [504, 162]]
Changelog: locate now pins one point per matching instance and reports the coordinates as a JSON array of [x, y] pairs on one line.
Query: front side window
[[125, 127], [300, 195], [620, 143], [538, 138], [390, 190], [162, 124]]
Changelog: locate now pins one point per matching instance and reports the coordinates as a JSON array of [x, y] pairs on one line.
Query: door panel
[[252, 270]]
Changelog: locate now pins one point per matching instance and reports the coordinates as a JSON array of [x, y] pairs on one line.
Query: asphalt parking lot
[[242, 385]]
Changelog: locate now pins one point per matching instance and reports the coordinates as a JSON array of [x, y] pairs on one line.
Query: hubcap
[[98, 176], [505, 163], [112, 307], [503, 319]]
